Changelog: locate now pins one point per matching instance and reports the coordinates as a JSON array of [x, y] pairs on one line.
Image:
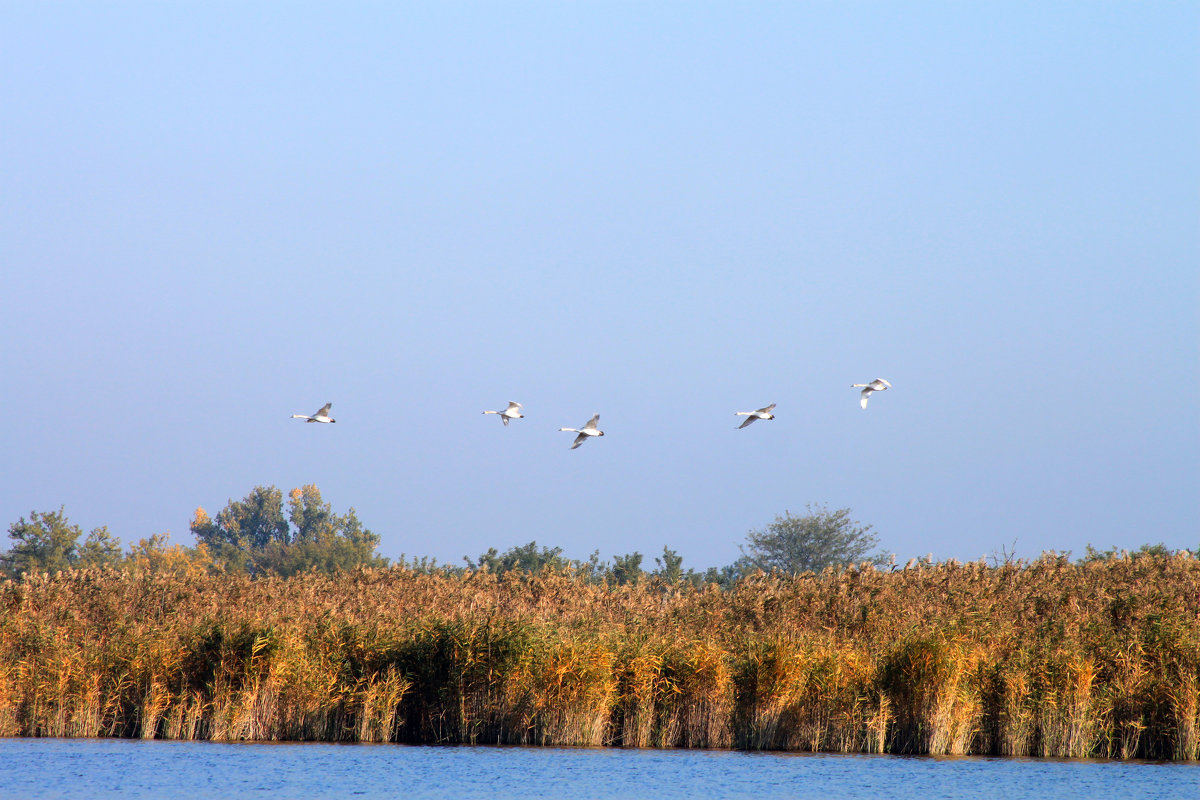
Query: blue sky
[[217, 215]]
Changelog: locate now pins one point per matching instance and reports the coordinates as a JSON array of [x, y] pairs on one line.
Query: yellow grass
[[1047, 658]]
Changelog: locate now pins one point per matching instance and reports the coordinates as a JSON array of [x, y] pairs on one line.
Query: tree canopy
[[526, 558], [47, 541], [264, 534], [809, 543], [253, 535]]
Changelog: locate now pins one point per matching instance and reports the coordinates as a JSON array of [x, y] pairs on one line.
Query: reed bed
[[1042, 658]]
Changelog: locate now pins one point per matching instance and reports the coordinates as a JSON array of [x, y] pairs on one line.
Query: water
[[108, 768]]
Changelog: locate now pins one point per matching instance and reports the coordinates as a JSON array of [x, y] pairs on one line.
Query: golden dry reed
[[1042, 658]]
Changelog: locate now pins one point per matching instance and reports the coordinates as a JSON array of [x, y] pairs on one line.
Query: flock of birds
[[590, 429]]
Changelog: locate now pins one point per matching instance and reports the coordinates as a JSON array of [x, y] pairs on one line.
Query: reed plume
[[1044, 658]]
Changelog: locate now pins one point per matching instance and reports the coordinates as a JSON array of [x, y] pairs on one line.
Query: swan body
[[751, 416], [877, 385], [586, 431], [320, 416], [512, 412]]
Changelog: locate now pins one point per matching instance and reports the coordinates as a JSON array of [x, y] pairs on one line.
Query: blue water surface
[[108, 768]]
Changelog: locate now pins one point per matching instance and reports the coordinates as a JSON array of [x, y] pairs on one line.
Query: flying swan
[[587, 430], [762, 413], [877, 385], [512, 412], [320, 416]]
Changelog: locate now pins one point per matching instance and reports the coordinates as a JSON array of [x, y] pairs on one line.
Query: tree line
[[262, 535], [256, 536]]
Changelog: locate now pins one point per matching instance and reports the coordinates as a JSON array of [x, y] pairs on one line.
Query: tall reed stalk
[[1044, 658]]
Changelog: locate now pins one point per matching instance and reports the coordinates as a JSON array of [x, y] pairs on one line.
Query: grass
[[1046, 658]]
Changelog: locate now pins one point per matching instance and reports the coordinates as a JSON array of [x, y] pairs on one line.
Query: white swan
[[320, 416], [877, 385], [512, 412], [587, 430], [762, 413]]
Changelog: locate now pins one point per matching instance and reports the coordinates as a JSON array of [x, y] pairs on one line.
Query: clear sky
[[215, 215]]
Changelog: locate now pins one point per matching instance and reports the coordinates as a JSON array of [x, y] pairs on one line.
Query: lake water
[[108, 768]]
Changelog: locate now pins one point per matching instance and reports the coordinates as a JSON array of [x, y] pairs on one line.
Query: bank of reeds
[[1047, 658]]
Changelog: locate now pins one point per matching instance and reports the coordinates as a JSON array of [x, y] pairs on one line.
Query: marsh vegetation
[[1045, 658]]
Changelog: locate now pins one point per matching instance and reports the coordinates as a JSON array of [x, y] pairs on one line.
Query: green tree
[[526, 558], [627, 568], [100, 549], [320, 539], [312, 519], [669, 569], [727, 576], [253, 535], [670, 566], [810, 543], [48, 541], [241, 532], [255, 521]]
